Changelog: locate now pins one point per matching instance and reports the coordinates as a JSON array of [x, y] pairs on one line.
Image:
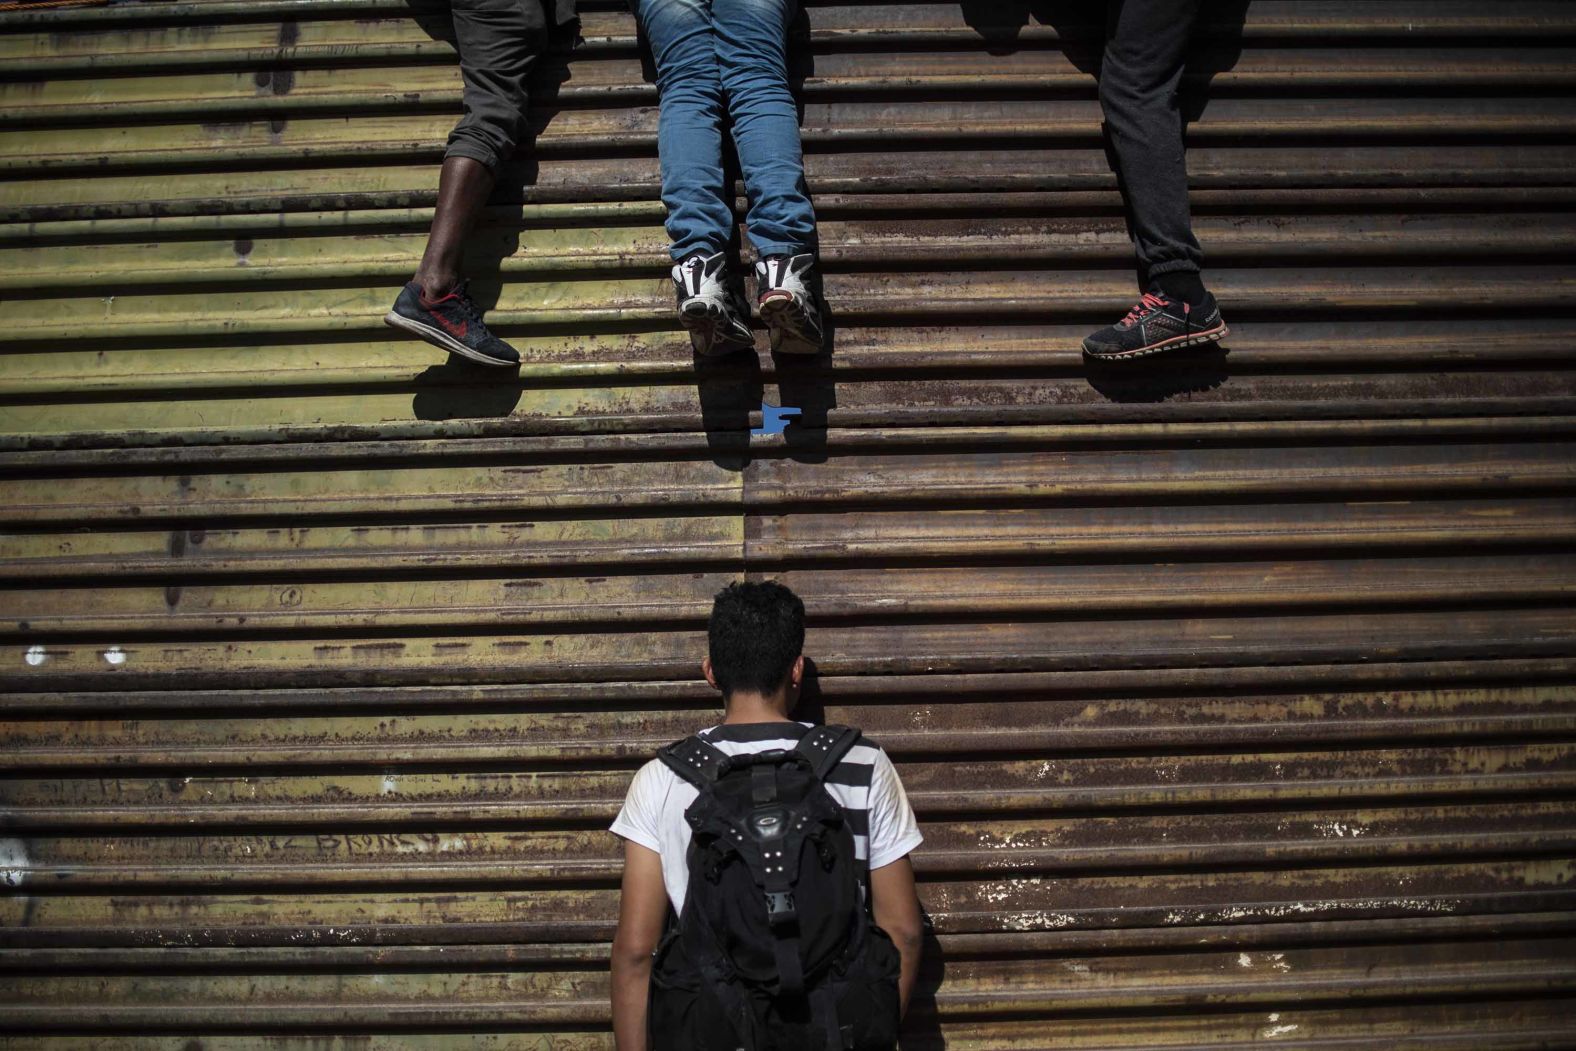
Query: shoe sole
[[1196, 339], [785, 321], [443, 341], [702, 324]]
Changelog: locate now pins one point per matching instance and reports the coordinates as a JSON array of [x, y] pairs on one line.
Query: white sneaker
[[712, 305], [790, 306]]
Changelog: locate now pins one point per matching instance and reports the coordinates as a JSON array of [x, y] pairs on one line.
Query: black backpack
[[774, 947]]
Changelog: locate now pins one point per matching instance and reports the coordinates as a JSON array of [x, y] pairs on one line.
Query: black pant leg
[[499, 43], [1146, 49]]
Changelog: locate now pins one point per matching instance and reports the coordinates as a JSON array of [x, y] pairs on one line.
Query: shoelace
[[1148, 305], [462, 299]]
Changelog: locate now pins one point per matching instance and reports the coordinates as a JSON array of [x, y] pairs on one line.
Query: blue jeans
[[728, 56]]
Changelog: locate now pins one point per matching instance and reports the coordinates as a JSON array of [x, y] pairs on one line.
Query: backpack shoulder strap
[[825, 746], [695, 760]]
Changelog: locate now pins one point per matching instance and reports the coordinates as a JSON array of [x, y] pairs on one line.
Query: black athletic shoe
[[452, 323], [1159, 324]]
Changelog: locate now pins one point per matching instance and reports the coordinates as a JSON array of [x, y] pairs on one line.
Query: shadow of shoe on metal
[[730, 395], [461, 389], [1154, 379]]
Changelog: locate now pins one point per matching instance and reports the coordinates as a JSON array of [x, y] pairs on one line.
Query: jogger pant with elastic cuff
[[1146, 49]]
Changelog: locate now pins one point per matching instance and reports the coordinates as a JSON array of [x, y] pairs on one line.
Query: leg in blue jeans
[[752, 53], [689, 129], [714, 56]]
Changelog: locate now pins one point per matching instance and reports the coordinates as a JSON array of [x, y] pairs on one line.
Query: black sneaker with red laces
[[1159, 324], [451, 323]]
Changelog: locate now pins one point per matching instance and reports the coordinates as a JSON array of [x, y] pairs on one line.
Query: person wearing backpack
[[768, 899]]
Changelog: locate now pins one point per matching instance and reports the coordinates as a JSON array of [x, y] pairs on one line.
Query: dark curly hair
[[755, 634]]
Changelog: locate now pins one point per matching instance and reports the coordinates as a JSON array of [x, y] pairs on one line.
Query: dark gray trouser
[[1146, 48], [499, 43]]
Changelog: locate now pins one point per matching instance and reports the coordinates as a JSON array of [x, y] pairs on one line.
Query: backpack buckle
[[780, 907]]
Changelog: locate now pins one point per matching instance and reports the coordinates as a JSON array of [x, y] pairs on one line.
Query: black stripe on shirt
[[851, 775], [750, 733]]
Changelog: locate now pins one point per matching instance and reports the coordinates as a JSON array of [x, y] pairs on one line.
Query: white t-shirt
[[864, 784]]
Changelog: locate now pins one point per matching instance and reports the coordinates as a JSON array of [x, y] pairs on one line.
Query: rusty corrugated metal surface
[[1237, 695]]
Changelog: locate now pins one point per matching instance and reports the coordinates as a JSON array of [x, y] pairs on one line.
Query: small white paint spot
[[390, 784], [1244, 960], [35, 656], [13, 862], [1037, 921], [1339, 830], [114, 656], [1275, 1030], [996, 893]]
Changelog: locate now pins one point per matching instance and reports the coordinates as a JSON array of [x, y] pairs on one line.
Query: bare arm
[[896, 907], [642, 908]]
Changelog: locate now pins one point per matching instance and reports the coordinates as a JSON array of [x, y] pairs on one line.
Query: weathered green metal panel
[[1236, 694]]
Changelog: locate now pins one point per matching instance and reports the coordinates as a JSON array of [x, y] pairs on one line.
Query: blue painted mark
[[773, 419]]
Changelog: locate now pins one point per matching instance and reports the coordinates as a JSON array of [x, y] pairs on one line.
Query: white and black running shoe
[[790, 304], [712, 305]]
